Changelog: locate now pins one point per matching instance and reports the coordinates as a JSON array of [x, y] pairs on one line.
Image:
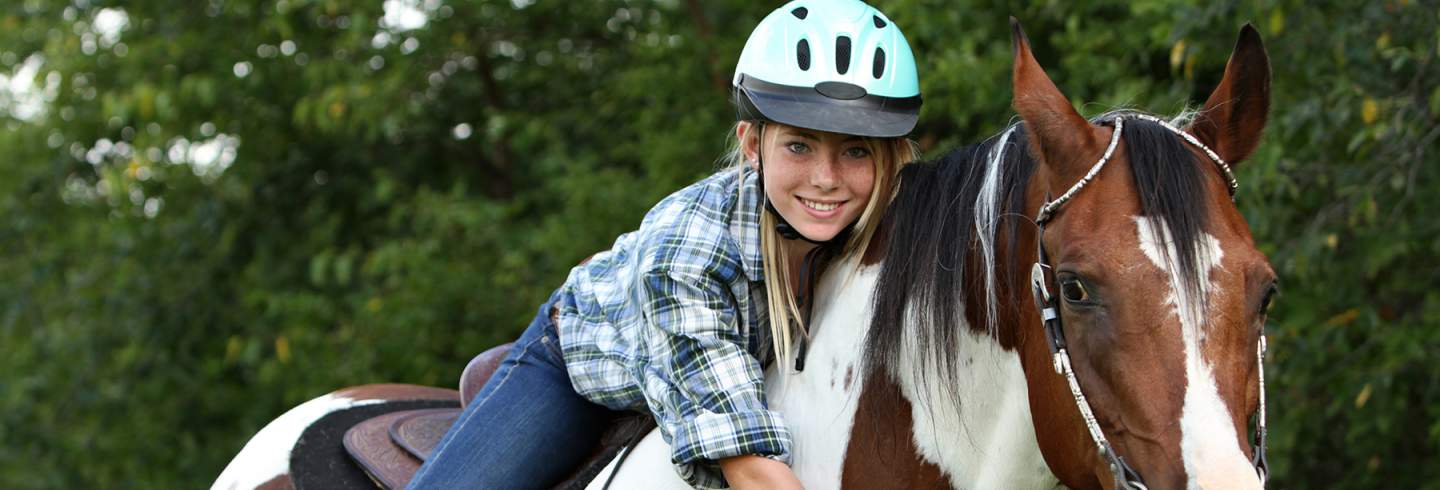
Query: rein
[[1042, 276]]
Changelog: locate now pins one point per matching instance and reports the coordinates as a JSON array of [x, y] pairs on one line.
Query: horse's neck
[[985, 441]]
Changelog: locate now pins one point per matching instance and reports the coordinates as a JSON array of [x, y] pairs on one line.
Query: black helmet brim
[[806, 107]]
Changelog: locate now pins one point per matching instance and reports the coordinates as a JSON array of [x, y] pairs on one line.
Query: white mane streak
[[987, 219]]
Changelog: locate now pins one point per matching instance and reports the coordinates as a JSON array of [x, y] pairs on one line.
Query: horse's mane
[[952, 211]]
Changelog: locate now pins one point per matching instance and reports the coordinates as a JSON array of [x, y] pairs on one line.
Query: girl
[[680, 316]]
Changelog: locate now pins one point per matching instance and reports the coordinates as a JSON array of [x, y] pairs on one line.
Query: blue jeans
[[527, 428]]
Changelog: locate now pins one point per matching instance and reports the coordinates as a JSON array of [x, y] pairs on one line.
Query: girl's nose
[[825, 174]]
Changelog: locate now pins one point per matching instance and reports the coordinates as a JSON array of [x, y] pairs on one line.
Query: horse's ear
[[1060, 133], [1235, 114]]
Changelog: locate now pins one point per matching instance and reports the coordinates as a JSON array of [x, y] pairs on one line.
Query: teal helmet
[[829, 65]]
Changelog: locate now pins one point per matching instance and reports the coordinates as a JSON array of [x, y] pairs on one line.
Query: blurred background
[[214, 210]]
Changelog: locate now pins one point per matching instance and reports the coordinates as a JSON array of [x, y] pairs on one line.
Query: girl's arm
[[751, 471], [705, 390]]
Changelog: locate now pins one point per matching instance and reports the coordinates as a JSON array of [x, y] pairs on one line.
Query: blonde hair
[[890, 155]]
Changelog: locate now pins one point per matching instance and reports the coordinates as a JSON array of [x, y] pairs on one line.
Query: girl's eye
[[857, 152], [797, 147]]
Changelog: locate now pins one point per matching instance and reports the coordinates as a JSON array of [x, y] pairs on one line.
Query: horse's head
[[1157, 281]]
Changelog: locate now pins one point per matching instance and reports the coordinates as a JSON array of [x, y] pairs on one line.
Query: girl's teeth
[[820, 206]]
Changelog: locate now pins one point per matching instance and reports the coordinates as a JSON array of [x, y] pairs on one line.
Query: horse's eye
[[1269, 301], [1074, 291]]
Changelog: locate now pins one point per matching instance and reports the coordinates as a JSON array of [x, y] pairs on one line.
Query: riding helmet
[[830, 65]]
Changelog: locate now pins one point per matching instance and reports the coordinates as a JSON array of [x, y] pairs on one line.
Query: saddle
[[389, 448]]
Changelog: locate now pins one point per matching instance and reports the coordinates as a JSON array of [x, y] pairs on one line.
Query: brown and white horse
[[931, 366]]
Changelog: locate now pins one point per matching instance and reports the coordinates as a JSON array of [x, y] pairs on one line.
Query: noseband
[[1041, 276]]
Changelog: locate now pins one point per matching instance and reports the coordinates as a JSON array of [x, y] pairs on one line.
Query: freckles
[[862, 176]]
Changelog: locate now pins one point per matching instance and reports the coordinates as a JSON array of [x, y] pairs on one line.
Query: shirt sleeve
[[705, 390]]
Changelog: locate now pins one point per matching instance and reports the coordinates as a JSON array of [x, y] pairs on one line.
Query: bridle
[[1041, 275]]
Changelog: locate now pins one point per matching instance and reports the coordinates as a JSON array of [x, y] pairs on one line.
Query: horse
[[942, 358], [1038, 319]]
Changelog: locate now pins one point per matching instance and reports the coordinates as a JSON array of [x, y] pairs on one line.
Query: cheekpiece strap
[[1262, 467]]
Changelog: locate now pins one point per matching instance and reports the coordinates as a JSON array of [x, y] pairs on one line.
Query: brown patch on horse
[[280, 482], [875, 251], [849, 377], [1009, 297], [882, 452]]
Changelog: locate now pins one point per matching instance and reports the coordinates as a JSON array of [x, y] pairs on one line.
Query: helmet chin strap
[[783, 226]]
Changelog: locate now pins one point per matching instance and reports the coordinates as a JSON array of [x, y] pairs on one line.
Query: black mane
[[932, 238]]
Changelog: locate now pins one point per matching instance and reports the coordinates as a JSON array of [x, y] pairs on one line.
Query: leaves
[[355, 236]]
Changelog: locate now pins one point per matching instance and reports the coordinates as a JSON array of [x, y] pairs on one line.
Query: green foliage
[[231, 207]]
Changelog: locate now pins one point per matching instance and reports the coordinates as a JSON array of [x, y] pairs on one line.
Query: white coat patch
[[1208, 445]]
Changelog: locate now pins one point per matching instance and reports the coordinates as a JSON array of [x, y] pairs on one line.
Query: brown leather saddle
[[390, 447]]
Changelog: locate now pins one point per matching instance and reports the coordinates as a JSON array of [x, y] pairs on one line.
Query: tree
[[216, 210]]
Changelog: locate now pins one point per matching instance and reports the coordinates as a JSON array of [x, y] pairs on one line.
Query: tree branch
[[500, 161], [707, 32]]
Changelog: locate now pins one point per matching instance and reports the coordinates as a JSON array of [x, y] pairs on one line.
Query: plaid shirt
[[673, 318]]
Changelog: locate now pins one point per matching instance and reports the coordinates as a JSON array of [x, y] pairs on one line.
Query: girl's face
[[820, 182]]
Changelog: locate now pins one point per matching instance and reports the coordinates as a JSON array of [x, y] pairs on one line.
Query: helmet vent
[[802, 55], [842, 55], [800, 13], [879, 68], [879, 23]]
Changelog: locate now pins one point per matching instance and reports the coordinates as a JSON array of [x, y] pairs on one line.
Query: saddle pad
[[370, 446], [420, 431]]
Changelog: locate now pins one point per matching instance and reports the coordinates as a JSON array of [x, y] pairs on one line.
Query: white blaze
[[1213, 459]]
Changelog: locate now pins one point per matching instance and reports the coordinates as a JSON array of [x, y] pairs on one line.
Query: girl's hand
[[758, 472]]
